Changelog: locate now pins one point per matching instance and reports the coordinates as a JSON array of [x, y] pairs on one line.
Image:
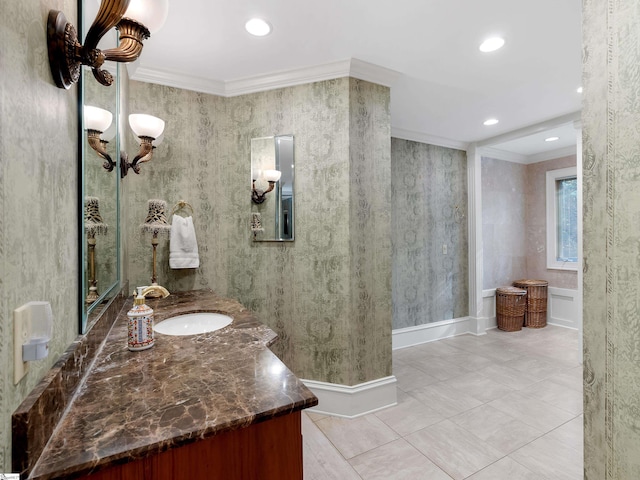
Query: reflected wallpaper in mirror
[[273, 219]]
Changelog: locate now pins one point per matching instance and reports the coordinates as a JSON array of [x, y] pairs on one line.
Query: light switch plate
[[21, 334]]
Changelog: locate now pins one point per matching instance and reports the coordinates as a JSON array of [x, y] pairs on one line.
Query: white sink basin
[[193, 323]]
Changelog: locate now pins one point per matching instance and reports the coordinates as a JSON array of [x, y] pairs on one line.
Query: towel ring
[[180, 205]]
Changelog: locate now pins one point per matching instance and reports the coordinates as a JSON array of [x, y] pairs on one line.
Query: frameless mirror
[[272, 188], [99, 185]]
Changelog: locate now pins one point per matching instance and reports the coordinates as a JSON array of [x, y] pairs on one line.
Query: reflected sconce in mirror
[[93, 225], [97, 122], [134, 19], [271, 176], [156, 224], [149, 130]]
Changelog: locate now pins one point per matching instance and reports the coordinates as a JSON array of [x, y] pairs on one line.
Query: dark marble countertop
[[185, 388]]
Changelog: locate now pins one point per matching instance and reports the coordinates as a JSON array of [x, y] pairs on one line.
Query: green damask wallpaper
[[610, 120], [38, 190], [327, 294], [429, 205]]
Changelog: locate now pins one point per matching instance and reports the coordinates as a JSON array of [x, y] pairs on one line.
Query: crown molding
[[429, 139], [179, 80], [553, 154], [498, 154], [270, 81]]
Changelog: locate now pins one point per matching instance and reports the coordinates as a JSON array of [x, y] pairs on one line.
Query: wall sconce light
[[134, 19], [97, 121], [149, 131], [272, 176]]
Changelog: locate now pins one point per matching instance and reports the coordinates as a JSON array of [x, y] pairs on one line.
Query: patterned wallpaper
[[514, 223], [503, 222], [428, 183], [610, 119], [304, 290], [38, 204]]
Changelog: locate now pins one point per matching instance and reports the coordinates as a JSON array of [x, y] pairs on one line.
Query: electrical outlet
[[21, 334], [444, 249]]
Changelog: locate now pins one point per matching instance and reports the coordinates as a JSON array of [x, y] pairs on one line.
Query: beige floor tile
[[500, 352], [358, 435], [499, 430], [410, 415], [469, 360], [508, 376], [551, 458], [505, 469], [445, 400], [321, 460], [536, 366], [439, 368], [479, 387], [397, 460], [315, 416], [453, 449], [408, 377], [532, 411], [571, 378], [557, 395], [571, 433]]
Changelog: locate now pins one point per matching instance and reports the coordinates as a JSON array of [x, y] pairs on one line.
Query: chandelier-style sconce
[[149, 130], [134, 19], [271, 176], [98, 124]]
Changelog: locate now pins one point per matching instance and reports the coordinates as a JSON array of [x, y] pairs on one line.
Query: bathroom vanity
[[218, 405]]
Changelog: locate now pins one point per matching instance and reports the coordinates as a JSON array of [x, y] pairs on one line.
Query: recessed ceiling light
[[491, 44], [491, 121], [258, 27], [551, 139], [579, 90]]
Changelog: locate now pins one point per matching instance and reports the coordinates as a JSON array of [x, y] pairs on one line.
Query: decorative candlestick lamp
[[93, 224], [156, 224]]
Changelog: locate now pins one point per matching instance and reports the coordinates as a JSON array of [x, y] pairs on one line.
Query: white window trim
[[552, 177]]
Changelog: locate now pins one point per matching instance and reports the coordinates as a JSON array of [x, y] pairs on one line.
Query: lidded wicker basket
[[510, 307], [536, 312]]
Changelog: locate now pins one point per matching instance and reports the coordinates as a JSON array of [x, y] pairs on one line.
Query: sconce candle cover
[[97, 121]]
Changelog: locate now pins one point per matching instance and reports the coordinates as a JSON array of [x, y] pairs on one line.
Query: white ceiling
[[442, 86]]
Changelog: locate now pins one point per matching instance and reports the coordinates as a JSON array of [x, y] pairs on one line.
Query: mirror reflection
[[99, 141], [272, 189]]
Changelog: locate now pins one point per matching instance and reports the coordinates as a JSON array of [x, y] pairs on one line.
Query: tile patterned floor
[[503, 406]]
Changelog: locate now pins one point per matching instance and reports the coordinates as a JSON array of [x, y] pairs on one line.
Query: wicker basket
[[536, 313], [510, 306]]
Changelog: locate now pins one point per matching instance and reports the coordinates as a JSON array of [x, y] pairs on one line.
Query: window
[[562, 219]]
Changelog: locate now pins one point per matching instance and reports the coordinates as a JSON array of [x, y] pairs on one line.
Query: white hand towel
[[183, 248]]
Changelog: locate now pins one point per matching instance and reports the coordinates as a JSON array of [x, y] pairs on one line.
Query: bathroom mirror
[[99, 239], [272, 186]]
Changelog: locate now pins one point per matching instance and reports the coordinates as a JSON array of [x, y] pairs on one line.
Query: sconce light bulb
[[272, 175], [150, 13], [146, 125], [97, 118]]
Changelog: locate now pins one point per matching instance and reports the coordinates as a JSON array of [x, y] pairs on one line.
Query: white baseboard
[[489, 308], [563, 309], [429, 332], [353, 401]]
